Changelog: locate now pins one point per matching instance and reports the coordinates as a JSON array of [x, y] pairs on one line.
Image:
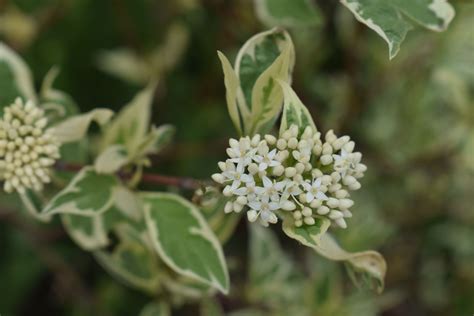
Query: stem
[[149, 178]]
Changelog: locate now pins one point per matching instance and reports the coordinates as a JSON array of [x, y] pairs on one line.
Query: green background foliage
[[411, 117]]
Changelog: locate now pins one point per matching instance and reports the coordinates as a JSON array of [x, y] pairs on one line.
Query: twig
[[155, 179]]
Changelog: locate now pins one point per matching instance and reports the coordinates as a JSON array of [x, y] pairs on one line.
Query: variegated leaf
[[88, 232], [131, 261], [155, 140], [294, 111], [308, 235], [267, 95], [369, 266], [366, 263], [15, 78], [131, 124], [232, 86], [266, 279], [87, 194], [75, 128], [257, 67], [111, 159], [393, 19], [183, 239]]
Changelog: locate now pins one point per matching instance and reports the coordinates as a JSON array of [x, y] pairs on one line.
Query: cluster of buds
[[297, 173], [27, 148]]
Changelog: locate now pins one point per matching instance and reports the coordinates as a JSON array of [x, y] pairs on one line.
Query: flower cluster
[[297, 173], [27, 149]]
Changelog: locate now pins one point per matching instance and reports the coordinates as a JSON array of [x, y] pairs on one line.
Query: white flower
[[236, 175], [27, 148], [265, 209], [241, 151], [266, 159], [292, 189], [342, 162], [266, 177], [348, 163], [314, 190], [270, 188]]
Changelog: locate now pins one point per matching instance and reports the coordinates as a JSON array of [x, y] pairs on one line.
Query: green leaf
[[369, 265], [266, 57], [131, 261], [308, 235], [278, 268], [294, 13], [183, 239], [130, 126], [156, 309], [184, 288], [88, 194], [393, 19], [294, 111], [87, 231], [32, 204], [111, 159], [267, 95], [57, 104], [128, 202], [155, 141], [15, 78], [74, 129], [232, 87]]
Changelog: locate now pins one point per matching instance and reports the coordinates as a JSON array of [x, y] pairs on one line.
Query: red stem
[[155, 179]]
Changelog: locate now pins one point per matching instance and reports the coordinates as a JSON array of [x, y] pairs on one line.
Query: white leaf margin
[[96, 240], [369, 260], [205, 232], [249, 49], [75, 128], [70, 208], [22, 73], [111, 159], [441, 8]]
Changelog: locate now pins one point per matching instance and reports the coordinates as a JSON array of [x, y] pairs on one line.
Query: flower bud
[[309, 221], [288, 206]]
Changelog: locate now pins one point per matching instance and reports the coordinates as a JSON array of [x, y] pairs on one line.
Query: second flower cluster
[[298, 173]]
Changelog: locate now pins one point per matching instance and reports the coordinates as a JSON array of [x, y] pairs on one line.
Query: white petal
[[235, 185], [317, 183], [255, 205], [321, 196], [274, 163], [241, 191], [258, 158], [274, 206], [279, 186], [271, 154], [246, 178], [259, 190], [309, 197], [267, 183], [240, 168]]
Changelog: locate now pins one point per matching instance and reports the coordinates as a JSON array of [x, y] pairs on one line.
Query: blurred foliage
[[413, 118]]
